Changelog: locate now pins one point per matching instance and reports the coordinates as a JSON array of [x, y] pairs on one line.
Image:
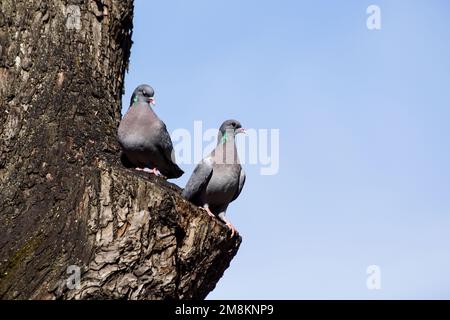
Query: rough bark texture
[[64, 197]]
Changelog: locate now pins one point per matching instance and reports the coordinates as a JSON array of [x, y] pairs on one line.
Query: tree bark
[[65, 199]]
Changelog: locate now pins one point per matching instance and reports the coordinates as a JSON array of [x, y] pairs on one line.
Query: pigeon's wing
[[241, 184], [165, 145], [169, 168], [199, 179]]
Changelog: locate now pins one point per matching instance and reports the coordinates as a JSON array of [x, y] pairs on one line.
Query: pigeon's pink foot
[[208, 211], [229, 225], [157, 173], [154, 171]]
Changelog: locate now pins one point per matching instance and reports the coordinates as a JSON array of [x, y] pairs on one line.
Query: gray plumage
[[144, 138], [219, 178]]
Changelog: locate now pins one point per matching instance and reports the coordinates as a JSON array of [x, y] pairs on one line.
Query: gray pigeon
[[219, 178], [144, 138]]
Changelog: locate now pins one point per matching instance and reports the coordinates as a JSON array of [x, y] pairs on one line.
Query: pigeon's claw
[[233, 229], [208, 211], [154, 171], [158, 173], [229, 225]]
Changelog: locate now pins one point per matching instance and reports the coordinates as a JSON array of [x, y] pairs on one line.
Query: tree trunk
[[65, 199]]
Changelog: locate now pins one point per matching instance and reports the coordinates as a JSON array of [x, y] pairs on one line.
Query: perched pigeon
[[144, 138], [219, 178]]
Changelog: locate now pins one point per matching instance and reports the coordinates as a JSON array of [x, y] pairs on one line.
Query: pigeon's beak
[[152, 101], [241, 130]]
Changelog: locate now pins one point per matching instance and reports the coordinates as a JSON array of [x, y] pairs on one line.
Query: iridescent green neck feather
[[224, 138]]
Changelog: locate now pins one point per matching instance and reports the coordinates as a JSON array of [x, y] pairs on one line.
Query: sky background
[[363, 115]]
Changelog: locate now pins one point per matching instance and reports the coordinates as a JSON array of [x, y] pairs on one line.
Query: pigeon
[[144, 139], [219, 178]]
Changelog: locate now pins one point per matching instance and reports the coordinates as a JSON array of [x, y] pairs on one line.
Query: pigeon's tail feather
[[173, 172]]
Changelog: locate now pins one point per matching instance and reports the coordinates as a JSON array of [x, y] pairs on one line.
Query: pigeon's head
[[143, 93], [230, 128]]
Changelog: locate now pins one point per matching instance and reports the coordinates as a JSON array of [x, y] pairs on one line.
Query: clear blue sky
[[364, 119]]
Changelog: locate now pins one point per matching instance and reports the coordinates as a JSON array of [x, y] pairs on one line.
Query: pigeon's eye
[[233, 124]]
